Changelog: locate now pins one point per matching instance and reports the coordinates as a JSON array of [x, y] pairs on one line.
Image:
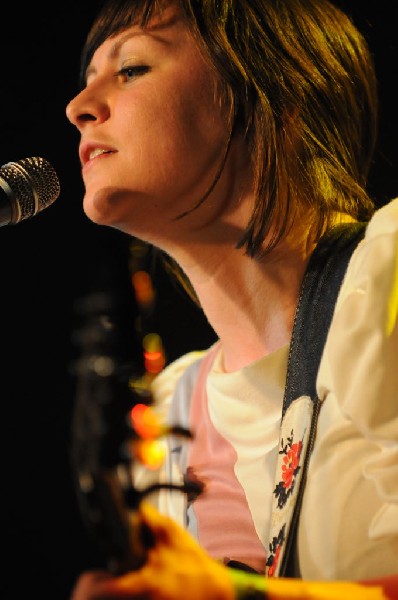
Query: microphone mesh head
[[34, 183]]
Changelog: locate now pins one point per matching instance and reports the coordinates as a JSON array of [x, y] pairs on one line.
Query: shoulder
[[359, 360], [385, 220], [372, 269], [367, 305]]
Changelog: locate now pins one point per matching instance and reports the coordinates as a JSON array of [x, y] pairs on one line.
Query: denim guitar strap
[[301, 405]]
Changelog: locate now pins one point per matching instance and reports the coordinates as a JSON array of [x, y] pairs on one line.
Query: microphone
[[26, 187]]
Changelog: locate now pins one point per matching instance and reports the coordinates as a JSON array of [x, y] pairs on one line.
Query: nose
[[86, 108]]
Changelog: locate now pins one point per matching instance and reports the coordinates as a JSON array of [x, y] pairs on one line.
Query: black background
[[55, 258]]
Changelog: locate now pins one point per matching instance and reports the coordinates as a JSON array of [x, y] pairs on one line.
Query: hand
[[177, 568]]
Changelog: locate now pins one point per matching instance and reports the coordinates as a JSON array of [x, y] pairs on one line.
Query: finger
[[102, 586], [164, 529], [89, 586], [162, 526]]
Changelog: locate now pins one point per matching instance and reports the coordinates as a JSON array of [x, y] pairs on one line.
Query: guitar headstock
[[113, 427]]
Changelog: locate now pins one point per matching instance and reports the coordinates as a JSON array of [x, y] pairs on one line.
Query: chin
[[98, 217], [103, 208]]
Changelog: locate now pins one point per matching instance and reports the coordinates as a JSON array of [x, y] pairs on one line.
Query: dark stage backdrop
[[52, 260]]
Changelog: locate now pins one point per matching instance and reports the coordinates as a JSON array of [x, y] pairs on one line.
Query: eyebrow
[[148, 32]]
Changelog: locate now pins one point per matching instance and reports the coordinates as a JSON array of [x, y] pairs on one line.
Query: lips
[[91, 151]]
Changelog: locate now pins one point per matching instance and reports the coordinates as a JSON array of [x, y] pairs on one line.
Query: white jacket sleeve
[[362, 351], [352, 484]]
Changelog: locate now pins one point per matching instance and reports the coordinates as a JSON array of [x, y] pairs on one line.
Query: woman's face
[[153, 129]]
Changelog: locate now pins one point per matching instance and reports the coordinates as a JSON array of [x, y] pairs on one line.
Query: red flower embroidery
[[290, 468], [272, 569], [291, 462], [275, 551]]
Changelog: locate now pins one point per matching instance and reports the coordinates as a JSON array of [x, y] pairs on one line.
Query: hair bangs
[[115, 16]]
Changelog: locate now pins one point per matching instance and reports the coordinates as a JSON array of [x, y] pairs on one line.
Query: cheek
[[182, 107], [199, 113], [172, 135], [179, 137]]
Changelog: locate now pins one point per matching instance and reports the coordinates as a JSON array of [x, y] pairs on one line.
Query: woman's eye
[[129, 73]]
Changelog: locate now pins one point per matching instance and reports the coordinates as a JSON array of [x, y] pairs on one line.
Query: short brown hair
[[303, 88]]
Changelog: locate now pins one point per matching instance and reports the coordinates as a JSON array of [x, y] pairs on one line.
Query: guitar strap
[[319, 291], [301, 405]]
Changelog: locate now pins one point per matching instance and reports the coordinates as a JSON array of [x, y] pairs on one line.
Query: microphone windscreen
[[31, 184]]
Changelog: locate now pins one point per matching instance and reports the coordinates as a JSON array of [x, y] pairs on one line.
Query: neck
[[250, 304]]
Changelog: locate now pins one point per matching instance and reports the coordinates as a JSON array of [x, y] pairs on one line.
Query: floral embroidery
[[290, 468], [275, 551]]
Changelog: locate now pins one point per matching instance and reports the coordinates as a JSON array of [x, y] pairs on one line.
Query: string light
[[143, 289], [154, 356], [146, 424], [151, 453], [146, 446]]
